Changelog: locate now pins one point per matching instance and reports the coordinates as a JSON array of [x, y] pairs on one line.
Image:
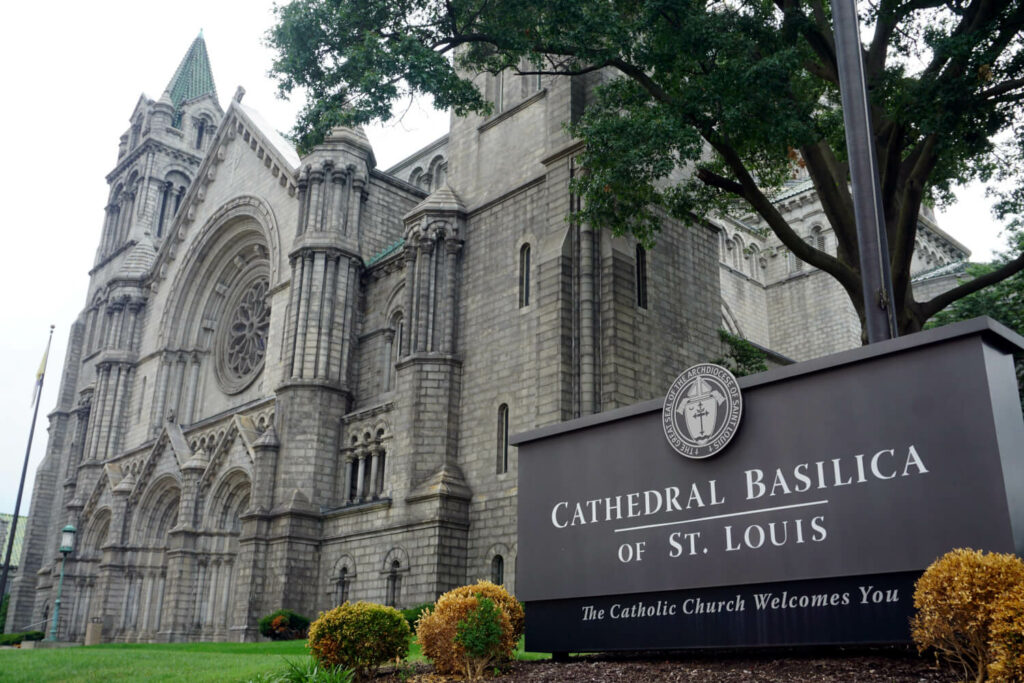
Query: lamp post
[[67, 542]]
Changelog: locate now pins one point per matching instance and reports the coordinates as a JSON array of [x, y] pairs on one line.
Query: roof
[[193, 77], [19, 537], [957, 268], [275, 139], [388, 250], [793, 188]]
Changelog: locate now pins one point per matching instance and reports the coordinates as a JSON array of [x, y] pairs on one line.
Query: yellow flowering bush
[[457, 620], [359, 636], [1006, 637], [505, 600], [955, 599]]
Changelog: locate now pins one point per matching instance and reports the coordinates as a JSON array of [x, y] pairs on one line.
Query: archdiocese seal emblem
[[702, 410]]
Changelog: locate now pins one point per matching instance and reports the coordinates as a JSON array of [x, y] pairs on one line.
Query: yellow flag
[[38, 388]]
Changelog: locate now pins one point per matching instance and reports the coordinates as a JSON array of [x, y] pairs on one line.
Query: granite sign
[[844, 479]]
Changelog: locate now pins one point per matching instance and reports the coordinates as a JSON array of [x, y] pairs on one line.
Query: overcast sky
[[73, 72]]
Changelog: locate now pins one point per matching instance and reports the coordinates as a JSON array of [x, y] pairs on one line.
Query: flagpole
[[24, 470]]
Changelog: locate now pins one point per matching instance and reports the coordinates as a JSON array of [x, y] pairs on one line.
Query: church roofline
[[436, 144], [256, 127]]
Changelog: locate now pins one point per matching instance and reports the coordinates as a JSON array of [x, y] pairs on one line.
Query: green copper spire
[[193, 77]]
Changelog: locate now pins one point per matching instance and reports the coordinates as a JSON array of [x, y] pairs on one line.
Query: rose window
[[244, 338]]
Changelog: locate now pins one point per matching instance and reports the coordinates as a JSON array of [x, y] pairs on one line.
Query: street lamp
[[67, 542]]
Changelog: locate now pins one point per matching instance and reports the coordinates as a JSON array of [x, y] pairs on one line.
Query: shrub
[[438, 629], [15, 638], [359, 636], [479, 633], [505, 600], [955, 599], [1006, 637], [284, 624], [412, 614]]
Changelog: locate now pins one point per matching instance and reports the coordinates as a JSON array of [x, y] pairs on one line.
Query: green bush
[[15, 638], [3, 611], [284, 624], [359, 636], [412, 614], [955, 599], [505, 600], [438, 629], [480, 634]]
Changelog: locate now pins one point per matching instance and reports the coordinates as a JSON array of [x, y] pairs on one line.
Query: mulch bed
[[819, 666]]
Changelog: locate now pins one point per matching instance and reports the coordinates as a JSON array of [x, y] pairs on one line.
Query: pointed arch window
[[641, 277], [502, 459], [524, 275], [200, 131]]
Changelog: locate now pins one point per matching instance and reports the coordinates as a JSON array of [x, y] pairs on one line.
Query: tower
[[157, 159]]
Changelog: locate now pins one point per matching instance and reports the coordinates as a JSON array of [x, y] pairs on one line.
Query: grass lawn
[[186, 662]]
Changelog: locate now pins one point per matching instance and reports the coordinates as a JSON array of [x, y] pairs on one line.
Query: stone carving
[[247, 335], [243, 339]]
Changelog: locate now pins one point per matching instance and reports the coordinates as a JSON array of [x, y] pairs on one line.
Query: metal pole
[[24, 469], [876, 278], [56, 603]]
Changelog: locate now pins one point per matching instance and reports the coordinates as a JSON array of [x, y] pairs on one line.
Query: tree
[[1003, 301], [738, 93]]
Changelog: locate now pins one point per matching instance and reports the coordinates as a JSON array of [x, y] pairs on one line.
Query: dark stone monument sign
[[847, 476]]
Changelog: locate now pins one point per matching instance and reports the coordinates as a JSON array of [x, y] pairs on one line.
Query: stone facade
[[783, 304], [294, 379]]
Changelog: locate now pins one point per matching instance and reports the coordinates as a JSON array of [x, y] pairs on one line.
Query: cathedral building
[[294, 379]]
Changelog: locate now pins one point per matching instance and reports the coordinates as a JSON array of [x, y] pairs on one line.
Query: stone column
[[265, 452], [348, 284], [95, 414], [386, 362], [323, 354], [361, 475], [292, 328], [316, 187], [355, 204], [346, 494], [111, 378], [193, 387], [302, 320], [177, 379], [135, 309], [423, 291], [587, 331], [374, 471], [410, 274], [339, 219], [160, 395], [452, 248], [125, 374], [302, 183]]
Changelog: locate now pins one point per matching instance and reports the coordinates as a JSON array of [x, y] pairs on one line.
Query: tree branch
[[782, 229], [712, 179], [829, 177], [930, 308]]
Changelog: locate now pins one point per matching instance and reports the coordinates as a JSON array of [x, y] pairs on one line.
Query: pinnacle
[[193, 77]]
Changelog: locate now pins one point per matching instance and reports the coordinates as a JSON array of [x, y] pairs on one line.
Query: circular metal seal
[[702, 410]]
